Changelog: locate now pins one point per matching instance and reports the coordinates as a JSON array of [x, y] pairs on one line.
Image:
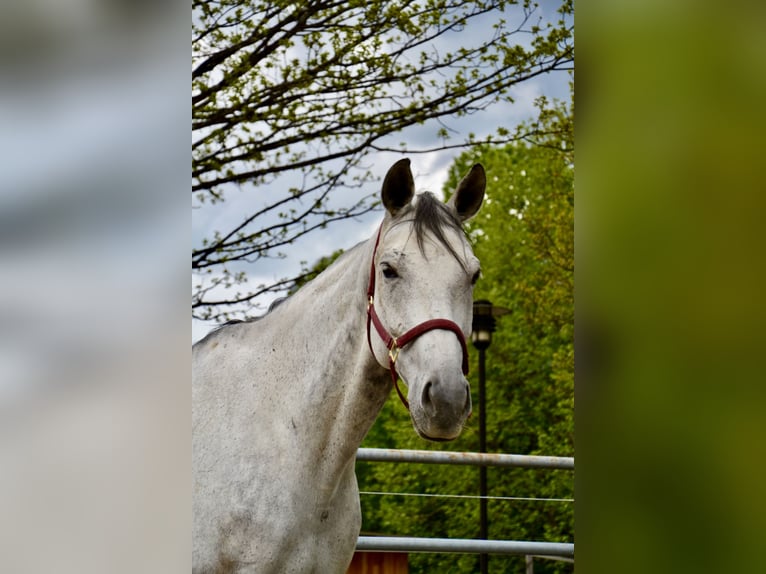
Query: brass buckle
[[393, 352]]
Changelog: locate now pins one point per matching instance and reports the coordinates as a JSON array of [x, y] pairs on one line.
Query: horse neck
[[347, 386]]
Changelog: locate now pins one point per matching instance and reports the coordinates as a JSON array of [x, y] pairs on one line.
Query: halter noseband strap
[[396, 344]]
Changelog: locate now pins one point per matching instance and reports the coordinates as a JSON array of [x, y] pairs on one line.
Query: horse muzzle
[[439, 407]]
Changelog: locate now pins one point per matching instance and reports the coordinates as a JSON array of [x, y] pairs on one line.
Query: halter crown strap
[[395, 344]]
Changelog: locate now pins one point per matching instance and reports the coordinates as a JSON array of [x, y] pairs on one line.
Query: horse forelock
[[429, 216]]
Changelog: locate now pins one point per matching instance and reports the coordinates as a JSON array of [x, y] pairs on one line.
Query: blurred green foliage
[[524, 238], [670, 386]]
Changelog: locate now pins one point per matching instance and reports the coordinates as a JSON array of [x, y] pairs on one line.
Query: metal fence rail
[[560, 550], [465, 458], [464, 546]]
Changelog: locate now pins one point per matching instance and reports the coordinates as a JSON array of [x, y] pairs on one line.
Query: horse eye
[[475, 277], [389, 272]]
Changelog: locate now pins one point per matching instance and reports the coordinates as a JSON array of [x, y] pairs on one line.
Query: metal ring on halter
[[393, 352]]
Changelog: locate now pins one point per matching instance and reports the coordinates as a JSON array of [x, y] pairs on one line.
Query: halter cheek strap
[[396, 344]]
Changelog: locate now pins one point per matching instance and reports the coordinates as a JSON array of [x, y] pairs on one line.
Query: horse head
[[421, 297]]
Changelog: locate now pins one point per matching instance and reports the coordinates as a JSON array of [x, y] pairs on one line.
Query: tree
[[288, 98], [309, 274], [524, 238]]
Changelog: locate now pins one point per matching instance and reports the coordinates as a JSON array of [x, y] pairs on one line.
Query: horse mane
[[274, 304], [217, 328], [431, 216]]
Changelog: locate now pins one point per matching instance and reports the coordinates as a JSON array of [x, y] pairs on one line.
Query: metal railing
[[463, 546], [464, 458], [459, 545]]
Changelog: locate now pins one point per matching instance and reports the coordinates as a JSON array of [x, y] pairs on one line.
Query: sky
[[88, 179], [430, 171]]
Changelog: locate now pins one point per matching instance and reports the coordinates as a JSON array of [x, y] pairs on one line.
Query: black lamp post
[[483, 326]]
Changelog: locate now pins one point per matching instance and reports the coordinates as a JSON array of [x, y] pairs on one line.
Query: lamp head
[[483, 324]]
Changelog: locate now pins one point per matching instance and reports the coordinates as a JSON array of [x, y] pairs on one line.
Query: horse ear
[[398, 187], [469, 194]]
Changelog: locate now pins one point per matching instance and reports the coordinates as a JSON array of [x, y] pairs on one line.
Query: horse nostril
[[427, 401], [468, 406]]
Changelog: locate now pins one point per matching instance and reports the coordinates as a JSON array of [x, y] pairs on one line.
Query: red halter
[[396, 344]]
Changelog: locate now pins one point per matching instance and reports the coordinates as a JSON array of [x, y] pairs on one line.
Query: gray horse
[[281, 404]]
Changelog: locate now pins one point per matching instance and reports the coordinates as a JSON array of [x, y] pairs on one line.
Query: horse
[[281, 403]]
